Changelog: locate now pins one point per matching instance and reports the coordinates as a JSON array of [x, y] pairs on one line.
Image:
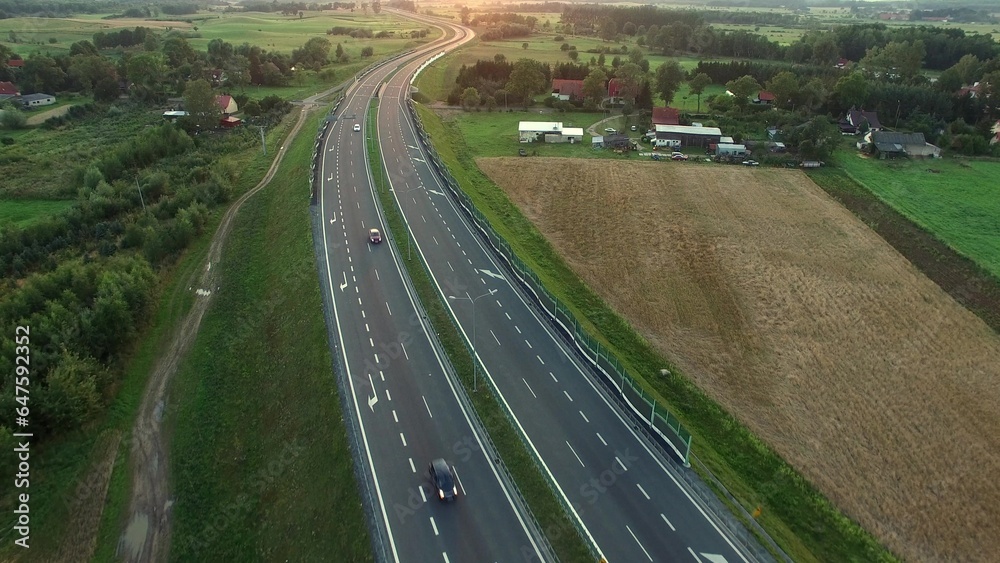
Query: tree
[[88, 70], [106, 89], [178, 52], [600, 59], [630, 79], [524, 46], [315, 54], [609, 29], [573, 55], [636, 56], [42, 74], [813, 95], [526, 80], [594, 88], [629, 28], [697, 86], [742, 88], [219, 52], [470, 98], [490, 102], [784, 86], [199, 102], [145, 70], [898, 59], [852, 90], [464, 12], [83, 48], [12, 118], [668, 79]]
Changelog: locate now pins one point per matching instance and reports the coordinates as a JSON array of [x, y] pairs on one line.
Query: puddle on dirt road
[[134, 538]]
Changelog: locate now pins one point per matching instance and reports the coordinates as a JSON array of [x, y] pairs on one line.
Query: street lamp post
[[475, 356], [406, 223]]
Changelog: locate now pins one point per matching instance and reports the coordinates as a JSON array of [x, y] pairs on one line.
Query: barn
[[689, 135]]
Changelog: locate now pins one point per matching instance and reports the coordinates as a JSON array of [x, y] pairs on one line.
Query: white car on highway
[[357, 127]]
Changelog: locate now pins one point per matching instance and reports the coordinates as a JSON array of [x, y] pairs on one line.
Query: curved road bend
[[630, 499], [407, 407]]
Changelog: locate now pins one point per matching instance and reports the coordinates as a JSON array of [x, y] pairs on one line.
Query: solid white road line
[[459, 479], [529, 387], [404, 350], [640, 545], [574, 454], [668, 522]]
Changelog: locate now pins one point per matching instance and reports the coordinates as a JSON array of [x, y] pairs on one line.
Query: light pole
[[475, 357], [406, 223]]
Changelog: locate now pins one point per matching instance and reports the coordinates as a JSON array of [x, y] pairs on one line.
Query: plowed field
[[802, 322]]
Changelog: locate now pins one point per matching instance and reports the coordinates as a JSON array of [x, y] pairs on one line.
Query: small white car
[[610, 131], [357, 127], [374, 236]]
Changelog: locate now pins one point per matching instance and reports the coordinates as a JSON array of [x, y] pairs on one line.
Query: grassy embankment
[[26, 211], [801, 520], [548, 511], [259, 449]]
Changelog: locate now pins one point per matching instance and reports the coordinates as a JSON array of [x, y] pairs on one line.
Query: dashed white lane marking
[[382, 375], [403, 438], [470, 261], [363, 314], [376, 273], [445, 554], [553, 377], [622, 464], [526, 340], [640, 545], [387, 308], [601, 438], [404, 351], [508, 316], [423, 497], [693, 554], [387, 395], [449, 266], [567, 396], [433, 525], [428, 408], [529, 387], [413, 468], [366, 328], [422, 217], [519, 332], [500, 304], [643, 491], [372, 342], [574, 454], [584, 417], [435, 239], [495, 337], [668, 522], [540, 359]]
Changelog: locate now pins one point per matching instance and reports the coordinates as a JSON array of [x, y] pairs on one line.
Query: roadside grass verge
[[23, 212], [957, 200], [553, 519], [797, 516], [260, 460]]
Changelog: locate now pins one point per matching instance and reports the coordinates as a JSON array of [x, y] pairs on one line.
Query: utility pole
[[263, 141], [143, 201]]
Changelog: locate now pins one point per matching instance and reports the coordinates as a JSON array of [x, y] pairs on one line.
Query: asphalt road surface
[[403, 397]]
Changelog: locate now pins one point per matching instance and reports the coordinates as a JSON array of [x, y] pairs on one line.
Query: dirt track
[[147, 537], [802, 322]]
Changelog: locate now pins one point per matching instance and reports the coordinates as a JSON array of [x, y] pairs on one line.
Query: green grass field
[[957, 200], [270, 31], [26, 211], [259, 444]]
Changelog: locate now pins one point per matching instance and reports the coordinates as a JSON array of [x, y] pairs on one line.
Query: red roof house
[[8, 89], [567, 89], [765, 97], [614, 88], [227, 104], [15, 63], [229, 122], [666, 116]]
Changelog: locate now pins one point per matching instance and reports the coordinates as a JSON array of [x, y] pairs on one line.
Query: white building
[[531, 131], [36, 100]]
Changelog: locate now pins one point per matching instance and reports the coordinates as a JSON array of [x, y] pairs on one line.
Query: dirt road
[[147, 535]]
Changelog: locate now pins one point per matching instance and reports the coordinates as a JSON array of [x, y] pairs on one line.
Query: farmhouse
[[689, 135], [548, 132], [858, 121], [896, 145], [730, 150], [764, 98], [567, 90], [36, 100], [8, 90], [666, 116], [227, 104], [615, 91]]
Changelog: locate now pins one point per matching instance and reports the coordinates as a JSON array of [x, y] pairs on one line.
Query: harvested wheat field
[[803, 323]]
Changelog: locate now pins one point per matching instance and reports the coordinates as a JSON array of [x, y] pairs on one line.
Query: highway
[[626, 496], [404, 408]]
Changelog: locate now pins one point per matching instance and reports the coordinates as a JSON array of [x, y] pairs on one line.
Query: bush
[[7, 141]]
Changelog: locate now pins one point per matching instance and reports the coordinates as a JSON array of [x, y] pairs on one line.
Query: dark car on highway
[[443, 480]]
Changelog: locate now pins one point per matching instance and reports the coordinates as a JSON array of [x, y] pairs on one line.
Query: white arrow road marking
[[334, 218], [435, 193], [417, 159], [374, 398], [713, 558], [330, 179], [491, 274], [344, 285]]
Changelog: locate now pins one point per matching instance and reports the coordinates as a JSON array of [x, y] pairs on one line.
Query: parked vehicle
[[678, 156], [750, 163], [522, 152], [667, 143]]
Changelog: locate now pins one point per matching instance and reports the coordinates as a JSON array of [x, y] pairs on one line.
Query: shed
[[228, 122], [893, 145], [572, 134], [689, 135], [729, 149], [597, 142], [531, 131], [36, 100]]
